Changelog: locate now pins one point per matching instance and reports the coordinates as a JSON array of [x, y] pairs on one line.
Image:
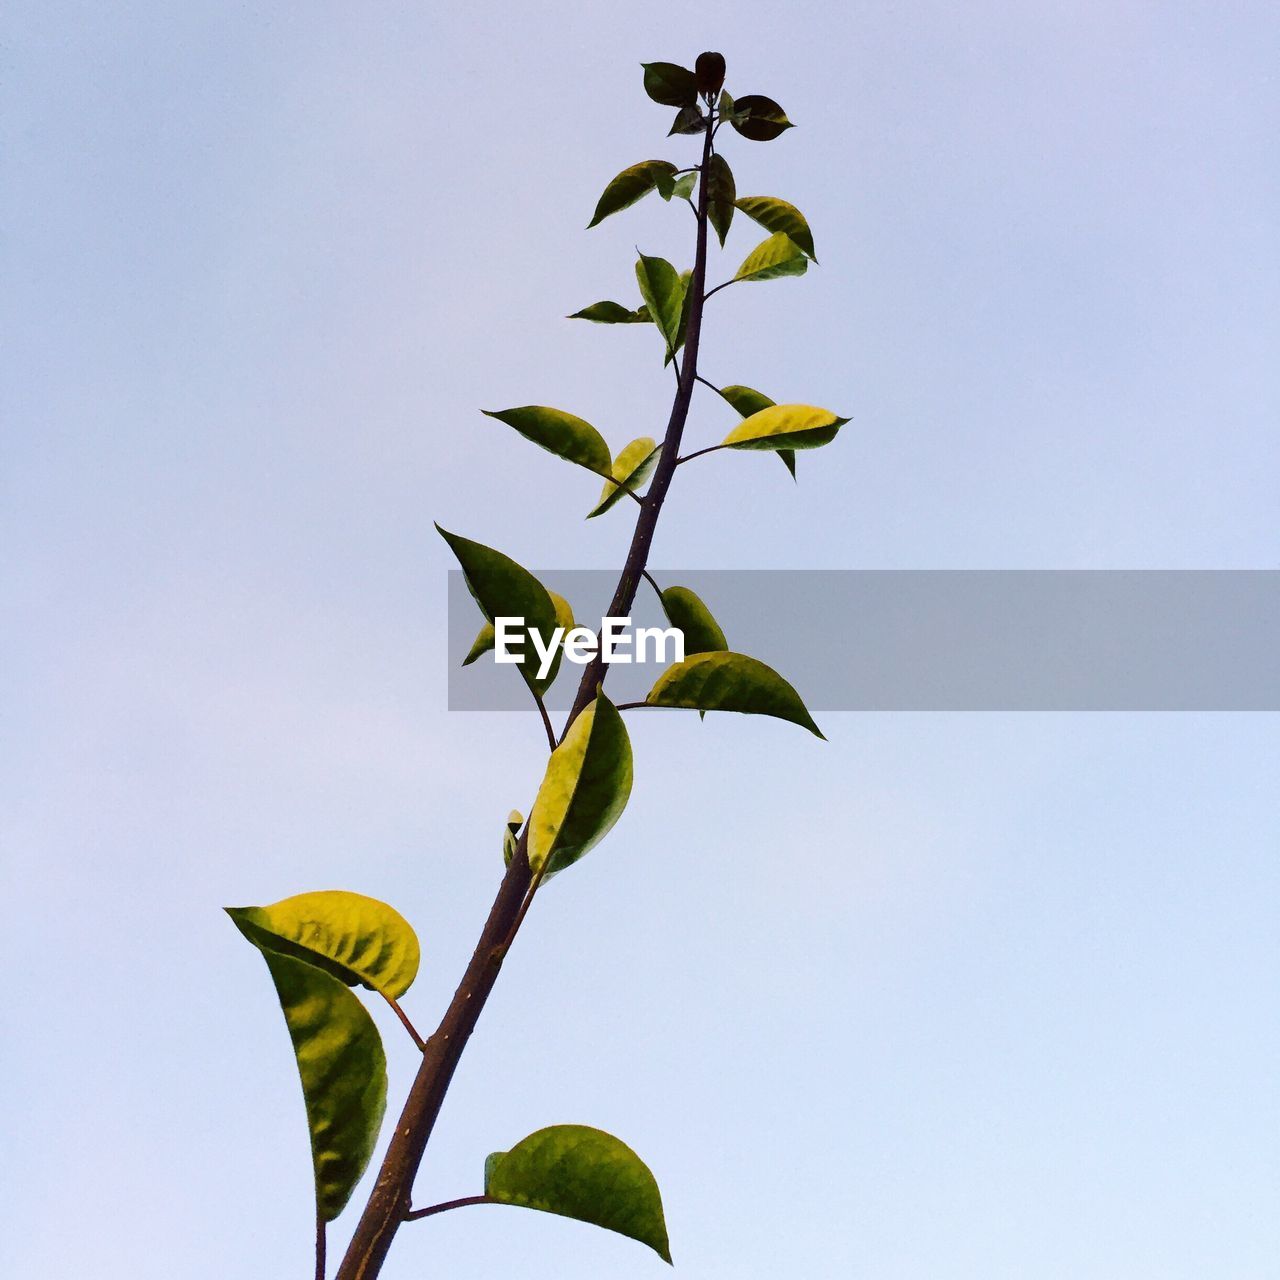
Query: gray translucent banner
[[945, 640]]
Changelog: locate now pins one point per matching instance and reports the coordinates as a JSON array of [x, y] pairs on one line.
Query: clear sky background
[[952, 997]]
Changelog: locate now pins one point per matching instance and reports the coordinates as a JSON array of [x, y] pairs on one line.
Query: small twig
[[712, 292], [699, 378], [648, 577], [697, 453], [691, 205], [404, 1018], [414, 1214], [631, 706], [320, 1247]]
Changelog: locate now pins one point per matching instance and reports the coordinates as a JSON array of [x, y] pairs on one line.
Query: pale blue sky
[[964, 997]]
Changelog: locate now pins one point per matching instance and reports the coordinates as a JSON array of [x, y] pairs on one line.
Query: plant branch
[[320, 1246], [415, 1214], [391, 1197], [705, 383], [711, 293], [648, 577]]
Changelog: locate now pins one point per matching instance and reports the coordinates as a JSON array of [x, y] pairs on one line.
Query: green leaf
[[629, 186], [343, 1070], [581, 1173], [504, 589], [773, 258], [720, 195], [725, 106], [777, 215], [730, 682], [511, 835], [759, 118], [610, 313], [359, 940], [669, 84], [688, 120], [632, 467], [584, 790], [663, 292], [559, 433], [685, 610], [480, 645], [785, 426], [746, 402], [683, 186]]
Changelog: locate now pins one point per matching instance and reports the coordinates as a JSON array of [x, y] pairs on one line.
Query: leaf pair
[[504, 589], [316, 946], [746, 402], [666, 298], [636, 181], [577, 441]]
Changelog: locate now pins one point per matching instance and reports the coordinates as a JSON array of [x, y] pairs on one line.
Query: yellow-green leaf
[[663, 292], [558, 432], [630, 185], [343, 1070], [511, 835], [721, 194], [480, 645], [785, 426], [504, 589], [583, 1173], [746, 402], [632, 467], [686, 610], [777, 215], [359, 940], [584, 790], [774, 258], [730, 682]]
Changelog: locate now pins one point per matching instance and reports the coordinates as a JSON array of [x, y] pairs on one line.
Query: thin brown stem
[[320, 1246], [711, 293], [390, 1200], [697, 453], [404, 1020], [415, 1214], [705, 383], [546, 719], [648, 577]]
